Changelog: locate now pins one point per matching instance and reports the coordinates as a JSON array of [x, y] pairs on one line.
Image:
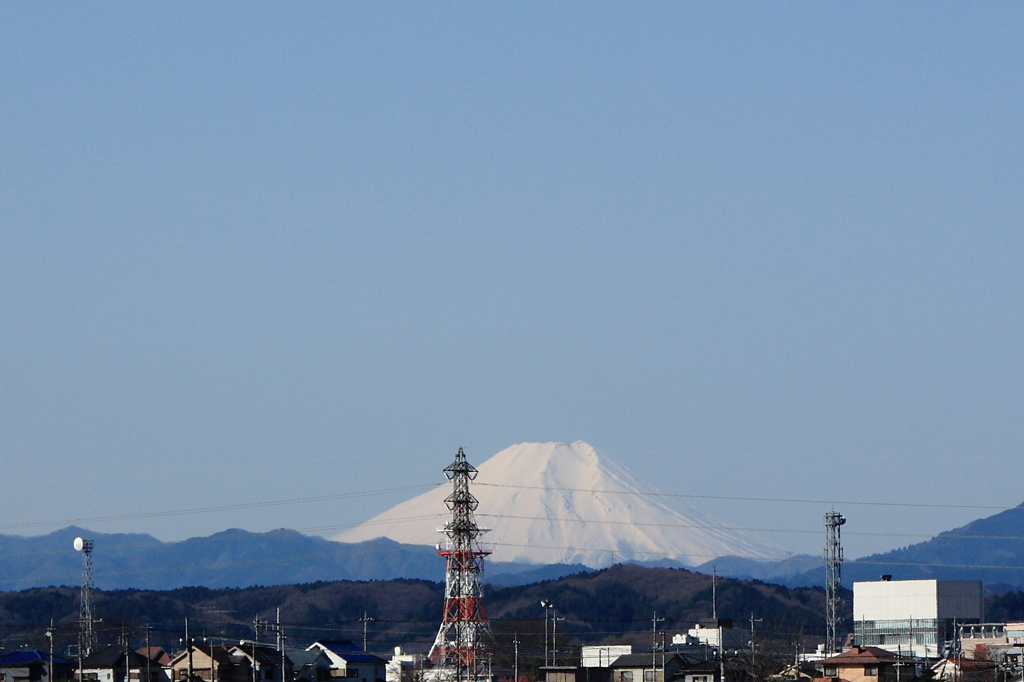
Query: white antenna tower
[[833, 568], [86, 636]]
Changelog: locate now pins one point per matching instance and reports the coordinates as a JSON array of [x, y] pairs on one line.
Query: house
[[964, 670], [32, 665], [569, 673], [267, 661], [654, 668], [351, 662], [864, 664], [159, 663], [113, 664], [795, 672], [697, 671], [602, 656], [310, 666], [210, 663]]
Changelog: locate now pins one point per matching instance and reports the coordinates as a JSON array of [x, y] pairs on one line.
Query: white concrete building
[[914, 616], [603, 656]]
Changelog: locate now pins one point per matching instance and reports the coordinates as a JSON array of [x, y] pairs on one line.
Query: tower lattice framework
[[464, 634], [86, 617], [833, 567]]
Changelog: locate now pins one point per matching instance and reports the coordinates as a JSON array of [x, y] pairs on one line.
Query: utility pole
[[49, 663], [258, 626], [662, 656], [149, 657], [714, 592], [188, 648], [554, 628], [718, 624], [753, 646], [365, 620], [833, 567], [127, 653], [515, 665], [280, 644], [654, 645]]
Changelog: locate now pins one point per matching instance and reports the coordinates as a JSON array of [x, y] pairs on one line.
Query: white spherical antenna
[[79, 544]]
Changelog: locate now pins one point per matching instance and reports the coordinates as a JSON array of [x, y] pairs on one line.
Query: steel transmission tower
[[464, 632], [87, 638], [833, 572]]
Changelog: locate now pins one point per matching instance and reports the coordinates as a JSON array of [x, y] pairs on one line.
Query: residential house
[[210, 663], [267, 662], [351, 662], [697, 671], [864, 664], [569, 673], [31, 665], [964, 670], [652, 668], [159, 663], [113, 664], [310, 665]]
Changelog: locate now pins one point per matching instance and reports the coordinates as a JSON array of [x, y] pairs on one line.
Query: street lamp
[[49, 662], [548, 608]]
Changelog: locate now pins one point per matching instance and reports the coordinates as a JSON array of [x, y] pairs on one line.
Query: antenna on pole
[[714, 592], [365, 620], [833, 567], [86, 636], [460, 641]]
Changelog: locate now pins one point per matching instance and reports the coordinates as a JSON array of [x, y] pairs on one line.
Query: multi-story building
[[916, 617]]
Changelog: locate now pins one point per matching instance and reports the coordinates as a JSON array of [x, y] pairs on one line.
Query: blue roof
[[340, 646], [28, 657], [348, 651]]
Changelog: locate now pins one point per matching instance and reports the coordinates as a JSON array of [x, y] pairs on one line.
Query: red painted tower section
[[464, 634]]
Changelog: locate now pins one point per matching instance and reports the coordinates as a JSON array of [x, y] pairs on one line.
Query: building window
[[648, 676], [700, 678], [831, 671], [871, 670], [353, 672], [626, 676]]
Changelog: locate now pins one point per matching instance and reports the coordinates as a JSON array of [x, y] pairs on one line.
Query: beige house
[[863, 664], [210, 663]]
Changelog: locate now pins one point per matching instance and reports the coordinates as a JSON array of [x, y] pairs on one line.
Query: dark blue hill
[[232, 558]]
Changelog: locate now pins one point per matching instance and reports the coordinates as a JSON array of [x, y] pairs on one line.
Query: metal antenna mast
[[833, 568], [86, 636], [460, 641]]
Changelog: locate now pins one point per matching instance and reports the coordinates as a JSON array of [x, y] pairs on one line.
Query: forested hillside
[[613, 604]]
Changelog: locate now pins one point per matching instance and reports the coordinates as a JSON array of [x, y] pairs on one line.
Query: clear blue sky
[[265, 251]]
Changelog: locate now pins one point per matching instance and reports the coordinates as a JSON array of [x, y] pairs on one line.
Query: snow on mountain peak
[[564, 503]]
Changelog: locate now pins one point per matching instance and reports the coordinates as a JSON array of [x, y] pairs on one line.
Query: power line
[[753, 499], [388, 491], [222, 508]]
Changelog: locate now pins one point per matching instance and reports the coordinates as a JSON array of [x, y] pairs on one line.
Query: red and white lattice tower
[[464, 634]]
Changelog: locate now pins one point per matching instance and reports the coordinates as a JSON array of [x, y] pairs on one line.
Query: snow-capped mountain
[[557, 503]]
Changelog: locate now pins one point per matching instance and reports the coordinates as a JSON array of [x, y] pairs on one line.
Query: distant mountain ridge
[[989, 549], [231, 558]]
